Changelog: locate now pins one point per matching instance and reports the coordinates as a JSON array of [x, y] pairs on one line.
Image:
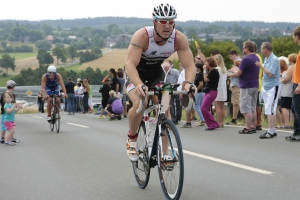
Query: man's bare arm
[[43, 84]]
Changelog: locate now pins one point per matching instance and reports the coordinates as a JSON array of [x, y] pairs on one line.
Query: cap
[[79, 79], [10, 83]]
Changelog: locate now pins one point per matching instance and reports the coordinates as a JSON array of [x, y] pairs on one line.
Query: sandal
[[132, 151]]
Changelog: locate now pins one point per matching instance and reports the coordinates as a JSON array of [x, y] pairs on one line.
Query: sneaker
[[2, 141], [15, 140], [186, 125], [107, 116], [101, 117], [245, 131], [193, 119], [112, 118], [231, 123], [132, 151], [266, 135], [200, 124], [294, 138], [48, 118], [9, 143], [253, 130], [119, 117], [259, 127]]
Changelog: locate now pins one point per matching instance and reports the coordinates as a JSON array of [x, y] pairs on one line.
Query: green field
[[3, 80], [19, 56], [73, 67]]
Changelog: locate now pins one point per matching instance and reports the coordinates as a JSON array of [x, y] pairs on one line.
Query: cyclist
[[50, 86], [148, 48]]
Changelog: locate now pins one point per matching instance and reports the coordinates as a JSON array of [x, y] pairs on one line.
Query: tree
[[284, 46], [44, 57], [43, 44], [58, 53], [47, 29], [72, 52], [7, 62]]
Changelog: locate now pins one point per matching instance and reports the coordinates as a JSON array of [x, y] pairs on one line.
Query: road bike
[[55, 117], [162, 147]]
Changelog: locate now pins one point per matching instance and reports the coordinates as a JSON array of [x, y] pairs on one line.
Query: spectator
[[172, 76], [248, 80], [40, 101], [286, 92], [199, 83], [211, 78], [184, 98], [122, 96], [9, 118], [62, 100], [76, 101], [222, 90], [105, 96], [10, 87], [270, 87], [79, 93], [71, 96], [296, 92], [86, 91], [115, 85], [234, 86], [214, 52], [114, 106], [90, 97]]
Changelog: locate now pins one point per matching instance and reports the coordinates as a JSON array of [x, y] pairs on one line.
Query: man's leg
[[173, 109]]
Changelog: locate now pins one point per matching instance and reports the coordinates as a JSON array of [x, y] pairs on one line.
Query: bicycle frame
[[162, 106]]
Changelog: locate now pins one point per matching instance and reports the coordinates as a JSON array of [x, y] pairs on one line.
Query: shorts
[[184, 101], [9, 125], [235, 95], [148, 77], [2, 123], [270, 99], [248, 98], [286, 102], [52, 90]]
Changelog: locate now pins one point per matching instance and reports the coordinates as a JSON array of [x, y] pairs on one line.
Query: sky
[[209, 11]]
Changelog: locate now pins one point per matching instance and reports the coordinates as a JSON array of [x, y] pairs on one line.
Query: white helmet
[[164, 11], [52, 68]]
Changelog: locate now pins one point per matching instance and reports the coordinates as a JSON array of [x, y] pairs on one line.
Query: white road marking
[[253, 169], [78, 125], [37, 117]]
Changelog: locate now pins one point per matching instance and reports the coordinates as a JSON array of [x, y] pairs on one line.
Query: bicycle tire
[[57, 119], [141, 168], [171, 174]]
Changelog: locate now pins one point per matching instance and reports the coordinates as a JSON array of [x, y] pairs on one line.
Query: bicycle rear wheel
[[57, 120], [51, 125], [141, 168], [170, 173]]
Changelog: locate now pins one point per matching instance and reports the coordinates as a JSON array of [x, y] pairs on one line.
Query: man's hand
[[258, 64], [66, 96], [139, 90]]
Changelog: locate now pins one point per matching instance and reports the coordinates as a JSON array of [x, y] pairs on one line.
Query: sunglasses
[[51, 73], [165, 22]]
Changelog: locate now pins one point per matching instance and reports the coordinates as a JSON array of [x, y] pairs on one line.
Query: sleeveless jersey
[[49, 83], [154, 56]]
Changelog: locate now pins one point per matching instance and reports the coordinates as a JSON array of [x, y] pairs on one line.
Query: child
[[9, 117], [10, 85]]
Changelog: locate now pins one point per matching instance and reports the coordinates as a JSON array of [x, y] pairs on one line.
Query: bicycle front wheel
[[57, 120], [170, 172], [141, 167]]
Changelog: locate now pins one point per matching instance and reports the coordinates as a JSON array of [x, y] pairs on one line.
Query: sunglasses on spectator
[[165, 22]]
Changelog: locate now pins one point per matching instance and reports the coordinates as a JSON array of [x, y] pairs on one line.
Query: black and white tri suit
[[149, 68]]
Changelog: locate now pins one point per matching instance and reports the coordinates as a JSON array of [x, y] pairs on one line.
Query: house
[[49, 38]]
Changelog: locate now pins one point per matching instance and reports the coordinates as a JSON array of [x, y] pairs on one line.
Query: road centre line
[[37, 117], [78, 125], [253, 169]]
